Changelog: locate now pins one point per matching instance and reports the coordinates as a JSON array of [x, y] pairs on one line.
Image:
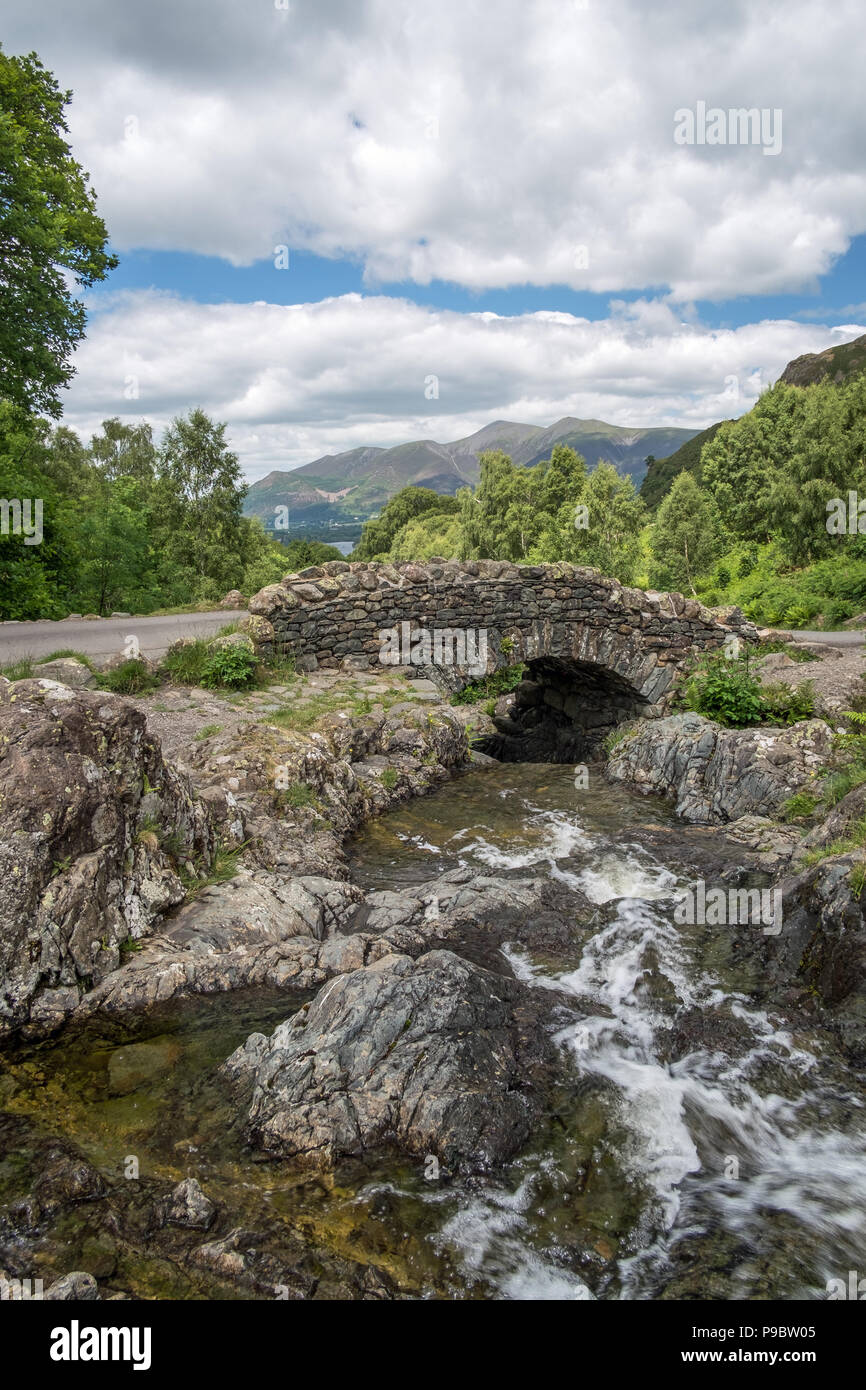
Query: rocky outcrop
[[88, 885], [715, 774], [834, 677], [433, 1055], [86, 802], [475, 915], [839, 824], [66, 670], [817, 962]]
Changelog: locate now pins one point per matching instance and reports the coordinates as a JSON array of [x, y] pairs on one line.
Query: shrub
[[297, 795], [839, 784], [186, 661], [132, 678], [788, 704], [725, 690], [494, 685], [855, 738], [799, 807], [232, 665]]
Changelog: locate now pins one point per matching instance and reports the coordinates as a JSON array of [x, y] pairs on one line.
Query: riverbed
[[731, 1165]]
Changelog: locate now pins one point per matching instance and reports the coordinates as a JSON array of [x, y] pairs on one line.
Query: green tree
[[199, 503], [419, 540], [687, 538], [125, 451], [607, 534], [410, 502], [34, 577], [773, 471], [115, 554], [266, 560], [49, 234], [496, 522], [563, 477]]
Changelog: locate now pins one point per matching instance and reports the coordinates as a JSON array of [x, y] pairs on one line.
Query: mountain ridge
[[373, 474]]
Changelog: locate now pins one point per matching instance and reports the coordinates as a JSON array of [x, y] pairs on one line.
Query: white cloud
[[295, 382], [479, 143]]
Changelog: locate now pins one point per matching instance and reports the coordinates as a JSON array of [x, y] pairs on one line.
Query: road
[[853, 637], [106, 636]]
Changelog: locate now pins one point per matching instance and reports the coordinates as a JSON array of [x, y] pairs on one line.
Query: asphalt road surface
[[853, 637], [105, 636]]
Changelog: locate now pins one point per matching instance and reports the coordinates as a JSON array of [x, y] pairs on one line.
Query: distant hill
[[356, 485], [661, 472], [836, 364]]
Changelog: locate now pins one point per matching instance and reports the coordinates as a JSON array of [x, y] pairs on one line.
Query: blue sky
[[834, 297], [489, 209]]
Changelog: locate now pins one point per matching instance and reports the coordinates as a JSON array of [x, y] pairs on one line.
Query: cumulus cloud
[[489, 144], [295, 382]]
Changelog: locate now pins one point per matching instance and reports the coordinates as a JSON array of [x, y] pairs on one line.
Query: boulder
[[231, 639], [68, 670], [233, 599], [434, 1056], [112, 663], [76, 1287], [818, 959], [82, 786], [188, 1206], [260, 632]]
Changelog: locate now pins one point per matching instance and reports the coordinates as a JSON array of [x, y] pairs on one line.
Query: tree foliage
[[410, 502], [52, 242], [773, 471], [128, 523], [687, 538]]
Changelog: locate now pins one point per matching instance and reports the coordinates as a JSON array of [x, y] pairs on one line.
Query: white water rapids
[[747, 1172]]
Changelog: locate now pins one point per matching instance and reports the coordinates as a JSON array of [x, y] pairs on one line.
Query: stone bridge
[[597, 652]]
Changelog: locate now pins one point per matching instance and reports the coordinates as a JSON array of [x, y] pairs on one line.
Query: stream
[[720, 1170]]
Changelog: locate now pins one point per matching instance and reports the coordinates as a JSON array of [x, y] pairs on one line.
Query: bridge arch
[[597, 651]]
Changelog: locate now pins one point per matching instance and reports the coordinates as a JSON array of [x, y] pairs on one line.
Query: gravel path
[[839, 677]]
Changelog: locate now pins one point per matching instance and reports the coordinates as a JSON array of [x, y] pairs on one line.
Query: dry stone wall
[[598, 652]]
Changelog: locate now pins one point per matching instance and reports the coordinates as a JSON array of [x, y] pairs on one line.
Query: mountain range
[[355, 485]]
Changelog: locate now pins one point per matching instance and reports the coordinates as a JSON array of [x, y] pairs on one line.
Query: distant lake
[[344, 547]]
